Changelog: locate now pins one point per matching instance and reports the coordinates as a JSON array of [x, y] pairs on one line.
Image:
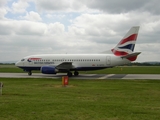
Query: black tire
[[76, 73], [69, 74], [29, 73]]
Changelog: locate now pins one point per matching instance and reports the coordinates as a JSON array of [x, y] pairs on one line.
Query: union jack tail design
[[126, 45]]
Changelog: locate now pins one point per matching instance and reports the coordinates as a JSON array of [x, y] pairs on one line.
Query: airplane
[[122, 53]]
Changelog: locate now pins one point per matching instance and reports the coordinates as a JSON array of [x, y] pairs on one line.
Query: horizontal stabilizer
[[132, 56]]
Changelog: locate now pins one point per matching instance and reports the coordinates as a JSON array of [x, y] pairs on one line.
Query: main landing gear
[[69, 74], [76, 73], [29, 73]]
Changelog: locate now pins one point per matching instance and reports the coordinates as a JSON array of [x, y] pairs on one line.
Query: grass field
[[46, 99], [115, 70]]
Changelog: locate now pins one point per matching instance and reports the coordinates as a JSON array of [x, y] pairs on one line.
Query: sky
[[29, 27]]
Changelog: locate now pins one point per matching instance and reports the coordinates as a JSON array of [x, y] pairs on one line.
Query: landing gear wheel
[[29, 73], [76, 73], [69, 74]]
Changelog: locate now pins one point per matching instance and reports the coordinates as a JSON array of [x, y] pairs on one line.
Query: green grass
[[115, 70], [46, 99], [11, 69]]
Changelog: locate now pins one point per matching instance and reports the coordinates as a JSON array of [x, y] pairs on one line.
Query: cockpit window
[[22, 59]]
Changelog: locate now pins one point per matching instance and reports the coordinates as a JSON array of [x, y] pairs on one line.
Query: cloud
[[63, 6], [56, 28], [3, 9], [52, 16], [19, 6], [6, 27], [116, 6], [94, 26], [108, 6], [3, 12], [3, 2], [32, 16], [151, 6], [30, 28], [53, 5]]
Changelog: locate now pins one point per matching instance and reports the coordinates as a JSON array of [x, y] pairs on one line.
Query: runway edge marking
[[106, 76]]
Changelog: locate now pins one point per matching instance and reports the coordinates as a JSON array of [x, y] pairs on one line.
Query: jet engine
[[48, 70]]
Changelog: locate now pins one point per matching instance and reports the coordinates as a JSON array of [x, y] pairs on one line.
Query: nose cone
[[18, 64]]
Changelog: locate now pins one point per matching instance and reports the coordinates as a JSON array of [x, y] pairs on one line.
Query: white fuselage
[[79, 61], [54, 63]]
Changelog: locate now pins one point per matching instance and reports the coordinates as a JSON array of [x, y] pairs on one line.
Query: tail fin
[[127, 44]]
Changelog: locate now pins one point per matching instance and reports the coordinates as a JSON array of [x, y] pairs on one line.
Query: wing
[[65, 66]]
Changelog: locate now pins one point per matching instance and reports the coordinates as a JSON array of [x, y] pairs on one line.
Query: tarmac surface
[[83, 76]]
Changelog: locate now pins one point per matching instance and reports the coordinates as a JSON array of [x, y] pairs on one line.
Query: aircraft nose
[[18, 64]]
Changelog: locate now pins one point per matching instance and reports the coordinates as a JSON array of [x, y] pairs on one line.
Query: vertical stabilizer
[[127, 44]]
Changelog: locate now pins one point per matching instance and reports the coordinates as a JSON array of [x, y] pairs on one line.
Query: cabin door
[[108, 60]]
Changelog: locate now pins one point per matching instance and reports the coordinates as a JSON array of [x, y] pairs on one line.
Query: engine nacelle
[[48, 70]]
